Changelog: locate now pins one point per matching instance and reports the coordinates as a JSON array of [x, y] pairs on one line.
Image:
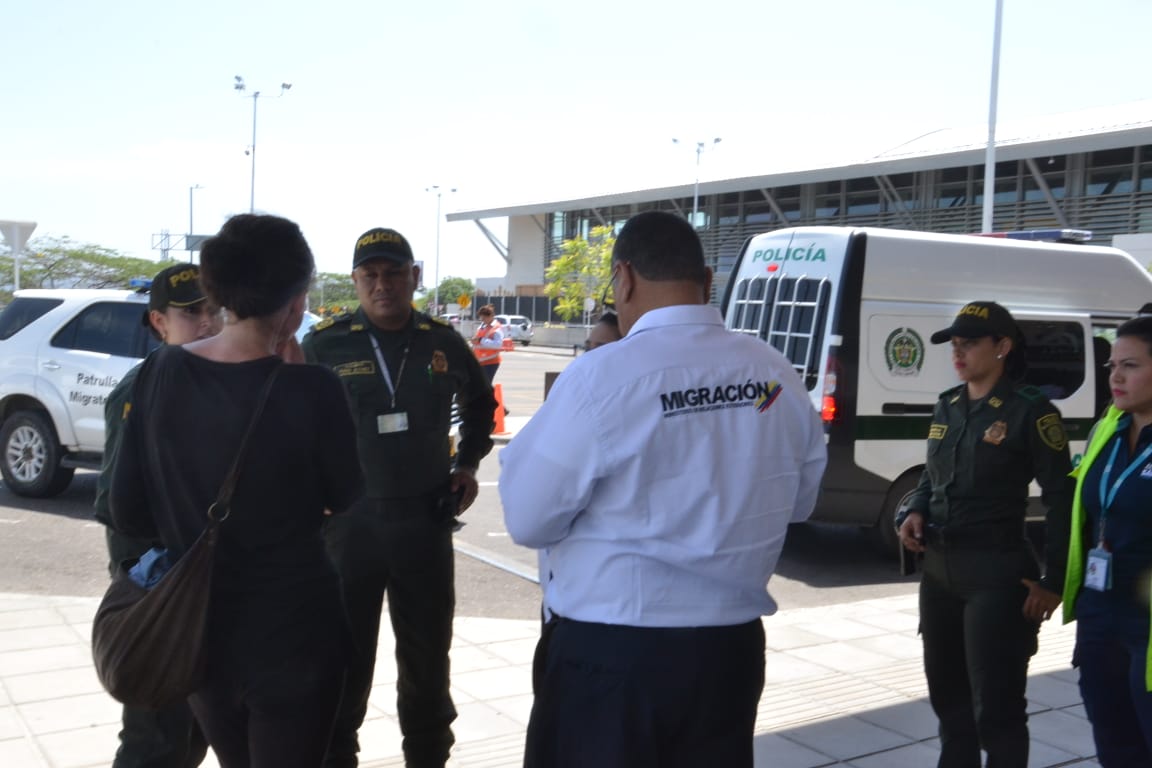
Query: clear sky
[[112, 110]]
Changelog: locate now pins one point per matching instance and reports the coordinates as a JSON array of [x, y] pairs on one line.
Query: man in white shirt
[[659, 478]]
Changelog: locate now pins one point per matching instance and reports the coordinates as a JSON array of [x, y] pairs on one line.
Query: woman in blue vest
[[1109, 575]]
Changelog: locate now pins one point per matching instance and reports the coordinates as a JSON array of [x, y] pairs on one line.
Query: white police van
[[853, 309]]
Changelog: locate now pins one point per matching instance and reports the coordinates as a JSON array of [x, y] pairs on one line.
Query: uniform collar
[[360, 322], [999, 394]]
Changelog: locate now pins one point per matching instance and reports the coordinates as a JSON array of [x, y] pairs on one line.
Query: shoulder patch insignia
[[331, 321], [356, 368], [995, 402], [356, 327], [423, 327], [439, 321], [1051, 430], [937, 431]]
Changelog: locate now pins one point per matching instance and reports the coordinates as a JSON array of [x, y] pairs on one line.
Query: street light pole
[[990, 150], [700, 146], [252, 183], [188, 240], [240, 87], [436, 285]]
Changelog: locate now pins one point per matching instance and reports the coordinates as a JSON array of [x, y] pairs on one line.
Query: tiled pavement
[[844, 688]]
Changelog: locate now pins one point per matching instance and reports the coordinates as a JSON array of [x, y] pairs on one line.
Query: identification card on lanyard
[[387, 423], [395, 420], [1098, 569]]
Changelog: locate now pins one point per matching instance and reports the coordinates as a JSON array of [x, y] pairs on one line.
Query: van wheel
[[884, 532], [31, 462]]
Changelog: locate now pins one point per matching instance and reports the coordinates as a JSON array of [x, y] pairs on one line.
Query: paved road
[[52, 546]]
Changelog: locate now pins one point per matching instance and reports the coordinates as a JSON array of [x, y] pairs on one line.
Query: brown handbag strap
[[224, 498]]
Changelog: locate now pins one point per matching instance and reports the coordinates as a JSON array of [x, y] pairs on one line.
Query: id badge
[[1098, 572], [387, 423]]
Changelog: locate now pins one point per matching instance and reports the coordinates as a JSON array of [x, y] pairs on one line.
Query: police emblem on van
[[904, 352]]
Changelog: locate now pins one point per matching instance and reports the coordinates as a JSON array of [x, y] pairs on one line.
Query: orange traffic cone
[[507, 345], [499, 392]]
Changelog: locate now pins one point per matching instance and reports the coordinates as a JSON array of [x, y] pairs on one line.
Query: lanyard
[[384, 366], [1108, 496]]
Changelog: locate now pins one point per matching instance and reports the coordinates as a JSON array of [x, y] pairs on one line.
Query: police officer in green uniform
[[982, 597], [401, 370], [178, 312]]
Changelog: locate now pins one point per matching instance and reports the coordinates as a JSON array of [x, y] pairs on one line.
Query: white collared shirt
[[660, 475]]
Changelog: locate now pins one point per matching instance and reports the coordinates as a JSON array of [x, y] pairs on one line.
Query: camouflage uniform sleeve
[[1052, 464]]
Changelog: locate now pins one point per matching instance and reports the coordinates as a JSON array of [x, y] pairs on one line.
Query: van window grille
[[787, 312]]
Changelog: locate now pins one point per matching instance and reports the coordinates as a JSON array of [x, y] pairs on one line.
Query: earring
[[999, 357]]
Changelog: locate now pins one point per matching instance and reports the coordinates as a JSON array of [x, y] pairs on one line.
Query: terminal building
[[1089, 170]]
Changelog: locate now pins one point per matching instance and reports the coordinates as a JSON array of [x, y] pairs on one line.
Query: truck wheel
[[31, 461], [884, 532]]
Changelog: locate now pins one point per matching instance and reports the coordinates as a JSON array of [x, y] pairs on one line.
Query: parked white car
[[516, 327], [61, 353]]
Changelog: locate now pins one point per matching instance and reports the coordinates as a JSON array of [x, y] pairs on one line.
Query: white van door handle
[[50, 365]]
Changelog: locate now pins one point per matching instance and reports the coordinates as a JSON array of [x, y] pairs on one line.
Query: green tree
[[51, 262], [333, 289], [583, 270], [451, 289]]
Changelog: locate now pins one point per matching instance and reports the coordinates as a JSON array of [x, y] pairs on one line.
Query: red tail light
[[828, 409], [828, 400]]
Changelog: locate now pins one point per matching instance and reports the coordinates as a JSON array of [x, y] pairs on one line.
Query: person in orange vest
[[488, 341]]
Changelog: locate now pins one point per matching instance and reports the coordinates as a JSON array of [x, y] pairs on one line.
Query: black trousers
[[164, 738], [402, 549], [273, 718], [977, 645], [614, 696]]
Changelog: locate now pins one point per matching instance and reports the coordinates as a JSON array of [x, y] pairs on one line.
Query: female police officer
[[981, 602]]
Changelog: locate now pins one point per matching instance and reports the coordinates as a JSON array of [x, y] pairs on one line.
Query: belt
[[970, 537]]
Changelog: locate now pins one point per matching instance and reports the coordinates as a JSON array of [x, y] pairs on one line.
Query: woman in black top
[[276, 637]]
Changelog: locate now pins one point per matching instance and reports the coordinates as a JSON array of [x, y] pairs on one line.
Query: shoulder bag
[[148, 644]]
